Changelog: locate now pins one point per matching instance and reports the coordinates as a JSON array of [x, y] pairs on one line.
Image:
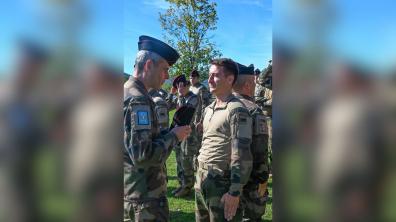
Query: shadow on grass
[[176, 216]]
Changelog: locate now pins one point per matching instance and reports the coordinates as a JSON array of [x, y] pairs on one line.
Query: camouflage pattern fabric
[[161, 108], [146, 149], [225, 159], [189, 147], [214, 184], [254, 204]]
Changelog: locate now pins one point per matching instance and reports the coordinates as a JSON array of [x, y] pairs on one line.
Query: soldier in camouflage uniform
[[263, 98], [225, 160], [263, 91], [254, 199], [189, 147], [146, 148], [203, 93], [199, 89]]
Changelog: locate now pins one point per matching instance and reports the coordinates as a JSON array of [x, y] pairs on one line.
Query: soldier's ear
[[148, 65], [230, 79]]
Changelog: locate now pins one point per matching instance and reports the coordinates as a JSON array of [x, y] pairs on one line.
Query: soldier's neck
[[221, 99]]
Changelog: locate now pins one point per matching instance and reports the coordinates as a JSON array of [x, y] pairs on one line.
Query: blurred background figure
[[350, 152], [94, 169], [21, 132]]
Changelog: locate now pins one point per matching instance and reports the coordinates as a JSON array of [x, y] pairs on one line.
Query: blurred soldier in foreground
[[188, 148], [225, 160], [93, 162], [254, 199], [22, 134], [146, 148]]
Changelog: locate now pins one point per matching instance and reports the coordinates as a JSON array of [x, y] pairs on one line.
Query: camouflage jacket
[[263, 98], [161, 108], [145, 147], [227, 133], [202, 92], [259, 146]]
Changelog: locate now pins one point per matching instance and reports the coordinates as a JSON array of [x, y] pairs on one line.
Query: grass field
[[182, 209]]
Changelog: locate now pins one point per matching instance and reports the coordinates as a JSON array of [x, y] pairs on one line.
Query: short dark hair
[[194, 73], [229, 65]]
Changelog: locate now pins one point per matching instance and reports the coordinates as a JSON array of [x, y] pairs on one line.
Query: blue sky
[[97, 28], [364, 31], [361, 32], [244, 29]]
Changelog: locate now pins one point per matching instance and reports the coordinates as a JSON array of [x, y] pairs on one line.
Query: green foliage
[[167, 87], [187, 25]]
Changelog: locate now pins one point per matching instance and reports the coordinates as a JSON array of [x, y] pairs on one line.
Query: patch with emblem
[[143, 118], [260, 125], [162, 115], [244, 126]]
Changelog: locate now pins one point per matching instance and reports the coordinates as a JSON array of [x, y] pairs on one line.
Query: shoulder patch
[[260, 125], [141, 116], [243, 125]]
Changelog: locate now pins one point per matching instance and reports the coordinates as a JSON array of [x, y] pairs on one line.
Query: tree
[[187, 25]]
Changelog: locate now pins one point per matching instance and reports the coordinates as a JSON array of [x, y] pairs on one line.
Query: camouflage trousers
[[179, 168], [269, 125], [209, 189], [187, 158], [153, 210], [254, 204]]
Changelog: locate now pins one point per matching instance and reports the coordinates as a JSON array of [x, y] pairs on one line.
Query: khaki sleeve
[[241, 156]]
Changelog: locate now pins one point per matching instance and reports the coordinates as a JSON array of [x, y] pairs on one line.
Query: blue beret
[[246, 70], [154, 45], [180, 78]]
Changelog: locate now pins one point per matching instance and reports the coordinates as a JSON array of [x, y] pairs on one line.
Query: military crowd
[[221, 137]]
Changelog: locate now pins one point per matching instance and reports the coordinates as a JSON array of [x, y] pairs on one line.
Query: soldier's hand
[[262, 188], [173, 90], [181, 132], [231, 204]]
